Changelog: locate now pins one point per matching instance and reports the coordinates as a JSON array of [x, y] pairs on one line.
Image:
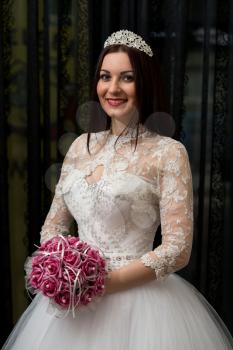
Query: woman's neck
[[118, 127]]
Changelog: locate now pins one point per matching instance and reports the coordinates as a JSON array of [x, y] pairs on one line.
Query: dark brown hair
[[149, 87]]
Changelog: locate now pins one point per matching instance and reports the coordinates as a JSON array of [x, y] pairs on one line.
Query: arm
[[176, 214], [59, 219]]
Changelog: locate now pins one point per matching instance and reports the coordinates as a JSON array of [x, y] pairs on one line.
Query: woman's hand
[[112, 282], [132, 275]]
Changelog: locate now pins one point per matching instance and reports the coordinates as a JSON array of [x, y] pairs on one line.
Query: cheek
[[132, 94], [131, 91], [100, 89]]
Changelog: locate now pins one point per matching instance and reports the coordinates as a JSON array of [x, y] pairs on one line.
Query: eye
[[128, 77], [104, 77]]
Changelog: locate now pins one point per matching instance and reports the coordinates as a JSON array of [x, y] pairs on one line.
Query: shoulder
[[166, 145], [162, 144], [169, 153], [77, 146]]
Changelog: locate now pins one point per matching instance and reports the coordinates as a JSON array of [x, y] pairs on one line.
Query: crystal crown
[[130, 39]]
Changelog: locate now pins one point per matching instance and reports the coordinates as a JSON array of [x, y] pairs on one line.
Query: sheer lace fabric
[[119, 196]]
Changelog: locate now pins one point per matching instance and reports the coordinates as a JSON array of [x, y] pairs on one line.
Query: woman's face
[[116, 87]]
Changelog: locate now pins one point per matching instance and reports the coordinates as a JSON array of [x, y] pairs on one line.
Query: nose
[[114, 86]]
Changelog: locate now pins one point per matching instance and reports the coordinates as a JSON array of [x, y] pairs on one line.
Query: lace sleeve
[[59, 218], [176, 213]]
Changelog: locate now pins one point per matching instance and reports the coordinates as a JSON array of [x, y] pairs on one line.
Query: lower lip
[[115, 103]]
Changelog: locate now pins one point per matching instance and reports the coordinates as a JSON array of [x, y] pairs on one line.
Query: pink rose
[[99, 285], [36, 277], [72, 257], [63, 299], [86, 297], [48, 244], [44, 245], [52, 265], [55, 244], [80, 246], [72, 240], [89, 268], [92, 253], [50, 286]]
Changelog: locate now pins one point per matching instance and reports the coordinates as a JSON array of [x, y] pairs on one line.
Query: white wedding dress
[[118, 197]]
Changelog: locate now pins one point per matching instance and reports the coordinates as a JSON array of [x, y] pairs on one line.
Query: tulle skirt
[[160, 315]]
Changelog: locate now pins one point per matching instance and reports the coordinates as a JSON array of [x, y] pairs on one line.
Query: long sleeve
[[176, 213], [59, 218]]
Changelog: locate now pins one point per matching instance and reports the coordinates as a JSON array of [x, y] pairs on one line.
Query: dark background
[[48, 52]]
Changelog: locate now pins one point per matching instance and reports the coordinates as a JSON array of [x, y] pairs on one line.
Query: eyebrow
[[126, 71]]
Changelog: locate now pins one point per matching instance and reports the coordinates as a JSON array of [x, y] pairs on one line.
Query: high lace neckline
[[109, 139]]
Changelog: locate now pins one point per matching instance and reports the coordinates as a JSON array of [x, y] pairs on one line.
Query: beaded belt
[[115, 260]]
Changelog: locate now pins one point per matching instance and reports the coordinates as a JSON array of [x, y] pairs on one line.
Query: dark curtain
[[48, 52]]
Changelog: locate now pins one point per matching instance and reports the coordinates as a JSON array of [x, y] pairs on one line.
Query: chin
[[120, 114]]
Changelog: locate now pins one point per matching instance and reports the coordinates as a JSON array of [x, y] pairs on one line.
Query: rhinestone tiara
[[130, 39]]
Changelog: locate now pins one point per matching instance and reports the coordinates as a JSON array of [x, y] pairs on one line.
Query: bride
[[120, 184]]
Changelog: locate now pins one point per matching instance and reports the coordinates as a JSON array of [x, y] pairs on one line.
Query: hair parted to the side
[[149, 86]]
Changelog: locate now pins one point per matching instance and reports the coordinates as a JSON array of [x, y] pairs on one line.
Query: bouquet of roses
[[67, 270]]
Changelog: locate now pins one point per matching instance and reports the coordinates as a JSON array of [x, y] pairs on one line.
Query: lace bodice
[[119, 196]]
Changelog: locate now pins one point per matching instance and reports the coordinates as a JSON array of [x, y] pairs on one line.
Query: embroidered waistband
[[120, 257]]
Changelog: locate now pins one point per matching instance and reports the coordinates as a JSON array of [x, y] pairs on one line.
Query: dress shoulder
[[77, 146], [168, 143], [167, 148]]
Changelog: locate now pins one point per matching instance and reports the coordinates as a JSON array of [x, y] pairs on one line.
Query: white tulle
[[164, 315]]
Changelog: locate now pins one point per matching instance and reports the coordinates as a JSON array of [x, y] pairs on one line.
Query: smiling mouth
[[115, 102]]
